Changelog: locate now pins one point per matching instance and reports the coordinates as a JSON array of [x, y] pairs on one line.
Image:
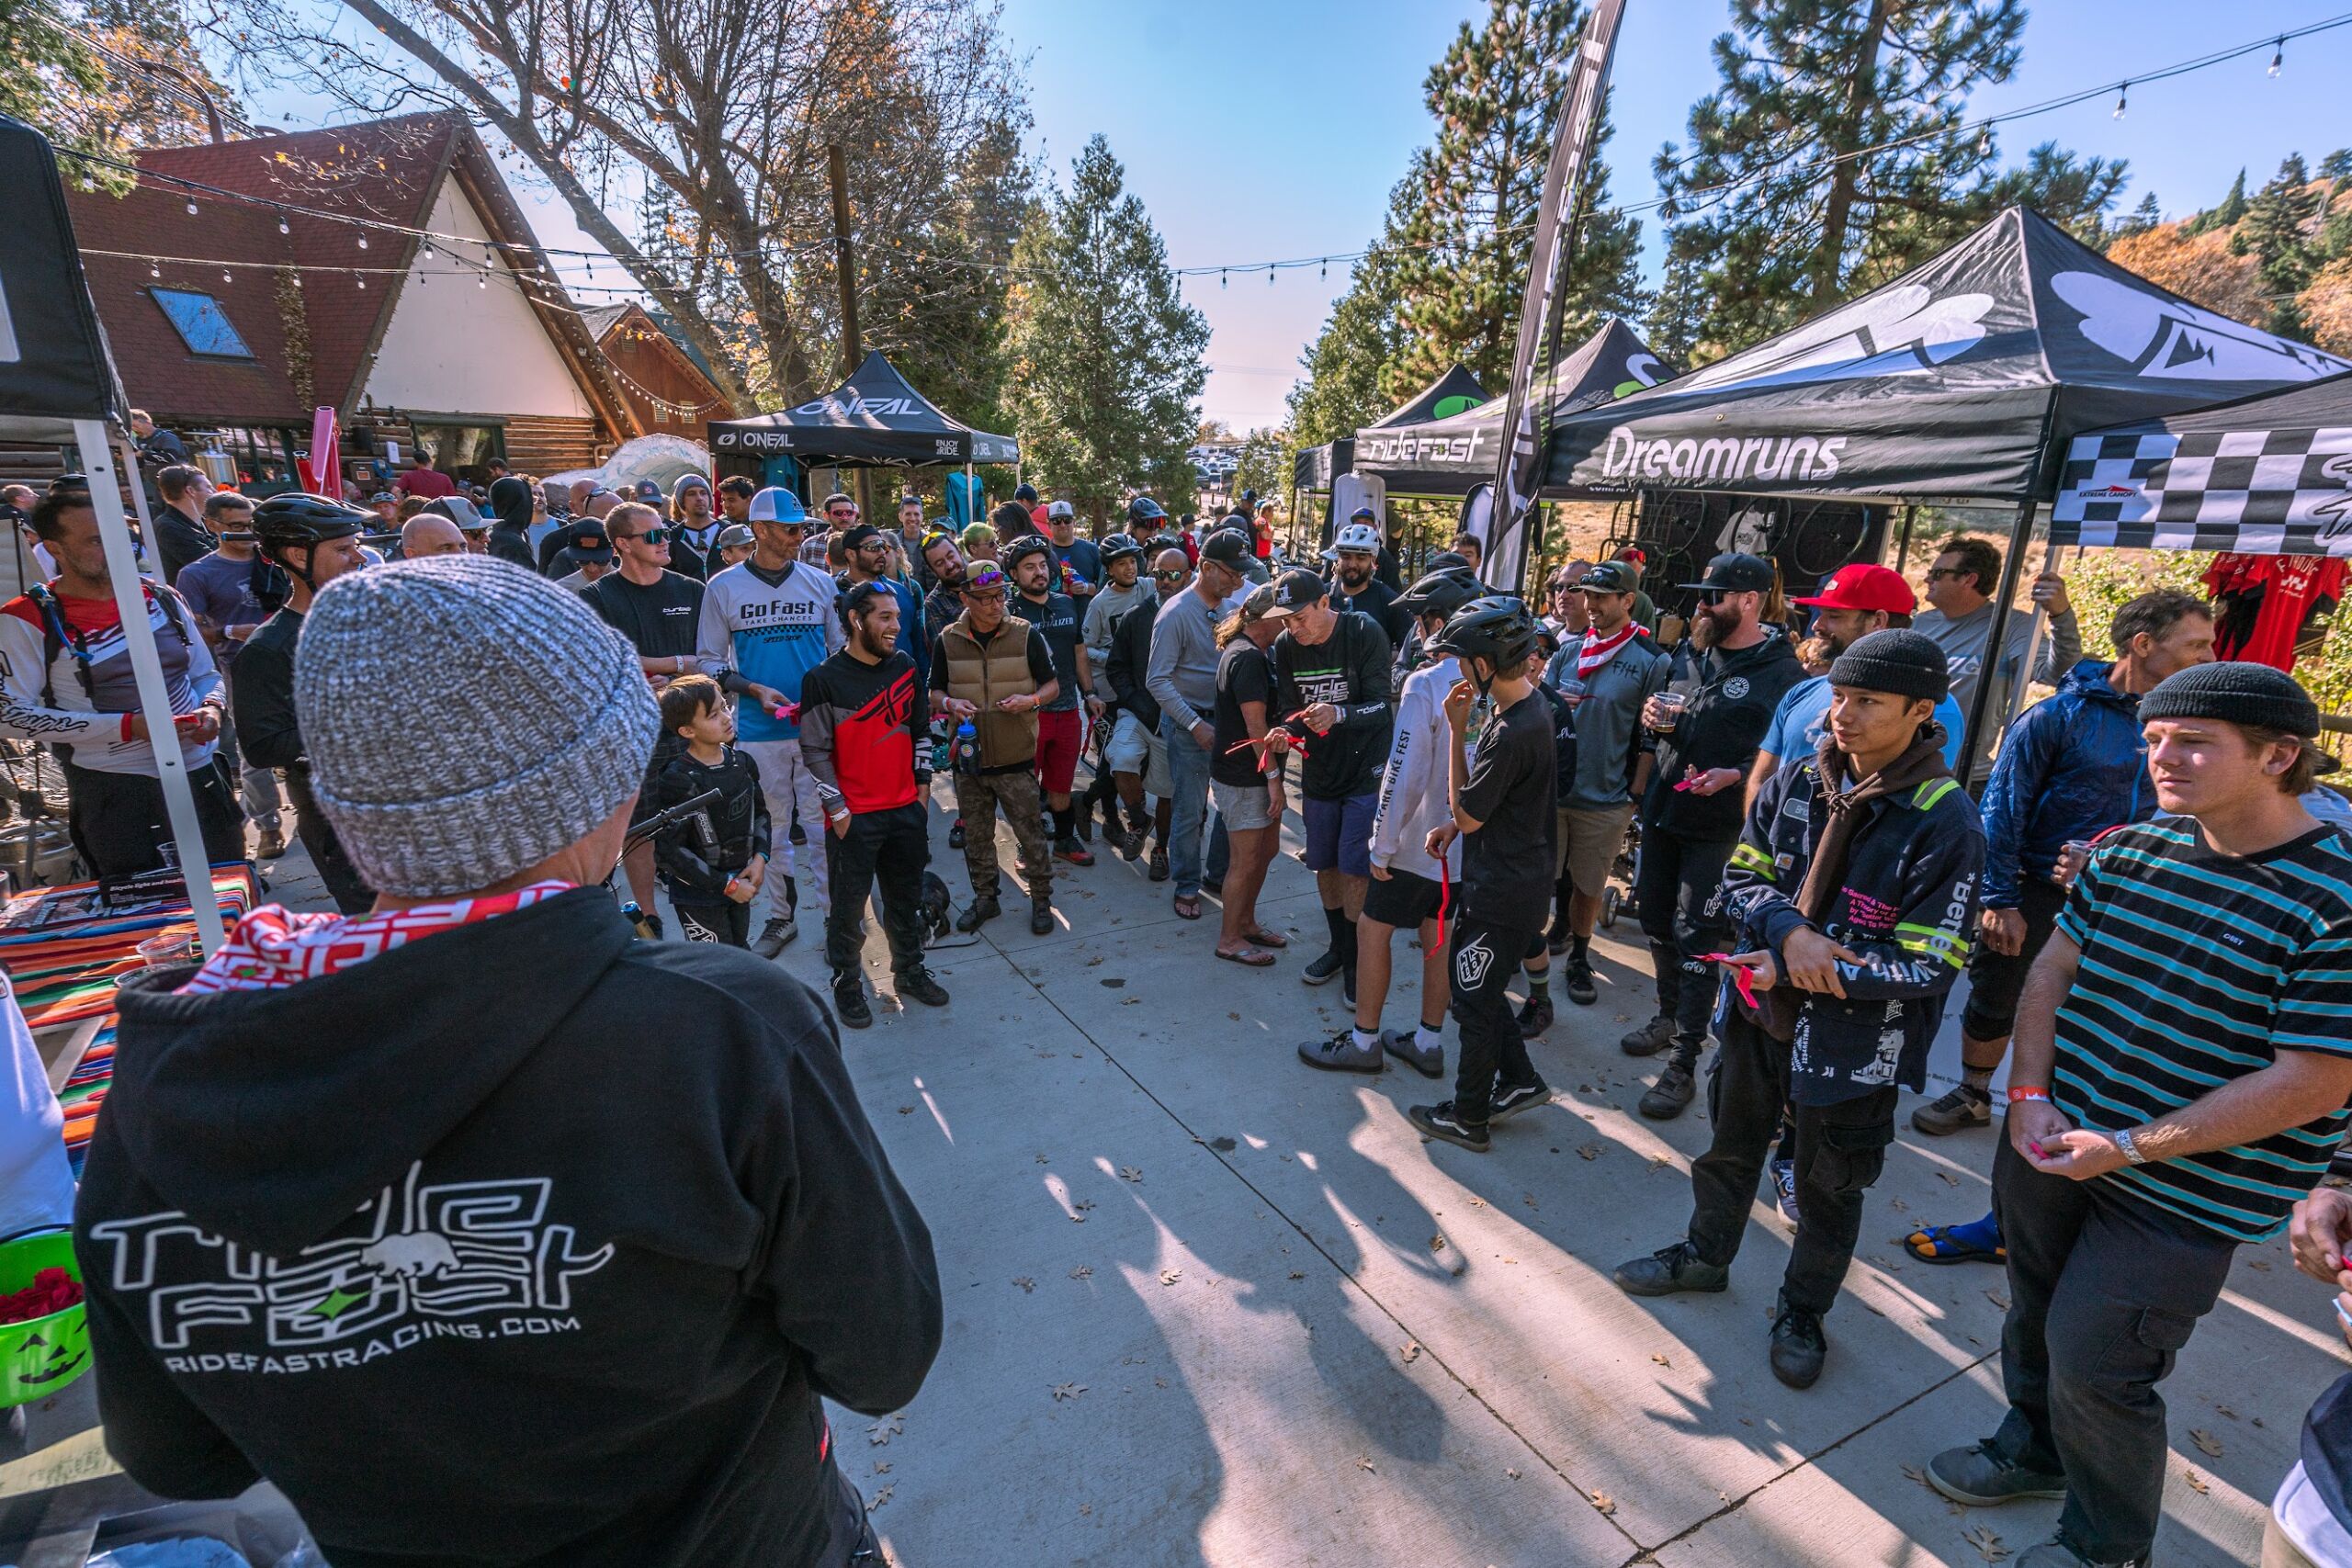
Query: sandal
[[1944, 1244], [1265, 939], [1256, 957], [1188, 908]]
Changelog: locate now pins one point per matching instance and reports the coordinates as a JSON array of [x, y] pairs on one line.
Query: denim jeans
[[1220, 850], [1188, 765]]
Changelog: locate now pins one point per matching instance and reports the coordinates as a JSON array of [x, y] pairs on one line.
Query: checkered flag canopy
[[2264, 475]]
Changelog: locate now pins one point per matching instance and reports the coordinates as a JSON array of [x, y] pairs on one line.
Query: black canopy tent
[[2266, 475], [1316, 467], [875, 419], [1962, 380], [58, 387], [1452, 456]]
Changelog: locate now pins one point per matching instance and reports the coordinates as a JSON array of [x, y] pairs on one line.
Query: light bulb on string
[[2122, 101], [1220, 278], [2278, 58], [227, 277], [482, 280], [363, 282], [363, 241], [155, 269], [1323, 268], [283, 227], [1985, 142], [191, 207]]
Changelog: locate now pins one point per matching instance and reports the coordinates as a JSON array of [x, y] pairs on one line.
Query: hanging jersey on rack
[[2268, 608]]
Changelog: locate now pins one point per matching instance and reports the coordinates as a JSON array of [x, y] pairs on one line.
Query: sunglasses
[[1936, 572], [652, 536], [1715, 595], [1169, 576]]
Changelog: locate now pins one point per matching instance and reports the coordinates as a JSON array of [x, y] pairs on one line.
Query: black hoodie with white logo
[[481, 1272]]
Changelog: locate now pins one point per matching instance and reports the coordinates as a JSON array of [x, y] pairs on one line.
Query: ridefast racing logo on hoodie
[[470, 1260]]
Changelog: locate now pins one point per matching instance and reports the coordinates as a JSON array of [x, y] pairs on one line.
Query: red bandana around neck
[[1599, 650], [276, 947]]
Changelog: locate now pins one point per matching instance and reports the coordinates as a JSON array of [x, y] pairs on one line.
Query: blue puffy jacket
[[2071, 765]]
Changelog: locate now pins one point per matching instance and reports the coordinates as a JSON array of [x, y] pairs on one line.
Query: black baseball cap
[[862, 533], [1226, 547], [589, 544], [1734, 572], [1611, 577], [1295, 590]]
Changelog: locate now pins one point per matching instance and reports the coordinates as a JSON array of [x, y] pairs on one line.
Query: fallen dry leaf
[[1026, 1284], [905, 1110], [1129, 1173], [1898, 1205], [1410, 1351], [1364, 1462], [1589, 1151], [1659, 1162], [2207, 1444], [1949, 1179], [1661, 1360], [2225, 1410], [1987, 1544], [1043, 1160], [878, 1499], [1512, 1473], [1605, 1502], [1437, 1244], [881, 1432], [1913, 1473], [1069, 1390], [1085, 1510], [1160, 1382], [1998, 1299], [1083, 1203], [2195, 1481], [881, 1469], [1130, 1001], [1529, 1199], [1081, 1273], [1170, 1276], [1477, 1202], [1298, 1274], [2256, 1263], [1095, 960]]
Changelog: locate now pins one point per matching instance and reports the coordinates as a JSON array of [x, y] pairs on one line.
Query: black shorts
[[1995, 979], [1403, 900]]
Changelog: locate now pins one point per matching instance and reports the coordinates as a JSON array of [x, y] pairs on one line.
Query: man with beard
[[867, 552], [1059, 730], [943, 564], [1136, 756], [866, 735], [1708, 722], [694, 529], [1355, 558]]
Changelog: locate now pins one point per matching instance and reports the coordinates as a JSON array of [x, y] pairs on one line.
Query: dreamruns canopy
[[1953, 381], [874, 418], [1451, 393], [1451, 456]]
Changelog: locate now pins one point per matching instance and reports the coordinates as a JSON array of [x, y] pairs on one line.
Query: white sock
[[1367, 1039], [1429, 1039]]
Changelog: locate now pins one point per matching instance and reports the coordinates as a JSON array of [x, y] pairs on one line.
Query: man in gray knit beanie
[[465, 721]]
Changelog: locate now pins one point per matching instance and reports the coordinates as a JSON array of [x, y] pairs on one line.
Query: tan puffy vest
[[984, 675]]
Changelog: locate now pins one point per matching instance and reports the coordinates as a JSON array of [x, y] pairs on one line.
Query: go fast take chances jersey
[[771, 630]]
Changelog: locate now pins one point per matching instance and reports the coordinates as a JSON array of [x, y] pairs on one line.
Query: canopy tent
[[2266, 475], [1450, 457], [1452, 393], [875, 419], [1955, 381], [58, 387]]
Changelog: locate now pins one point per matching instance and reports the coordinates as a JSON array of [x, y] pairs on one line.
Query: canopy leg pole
[[129, 457], [154, 701], [1979, 704], [1903, 541]]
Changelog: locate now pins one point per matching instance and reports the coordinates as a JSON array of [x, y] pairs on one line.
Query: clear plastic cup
[[172, 946], [1670, 706]]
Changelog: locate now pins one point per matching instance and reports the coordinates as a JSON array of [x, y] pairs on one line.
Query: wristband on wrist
[[2019, 1096], [2132, 1153]]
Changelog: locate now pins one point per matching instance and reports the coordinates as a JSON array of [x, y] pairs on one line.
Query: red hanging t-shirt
[[2292, 588]]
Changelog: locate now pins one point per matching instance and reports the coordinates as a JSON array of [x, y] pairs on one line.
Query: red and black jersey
[[865, 732]]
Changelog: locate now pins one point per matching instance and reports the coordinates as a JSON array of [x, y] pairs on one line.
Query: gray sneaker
[[1959, 1107], [1341, 1054], [776, 936], [1980, 1477], [1650, 1038], [1405, 1045]]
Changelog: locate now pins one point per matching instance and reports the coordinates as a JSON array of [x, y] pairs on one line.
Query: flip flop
[[1941, 1243], [1256, 957], [1266, 939], [1188, 909]]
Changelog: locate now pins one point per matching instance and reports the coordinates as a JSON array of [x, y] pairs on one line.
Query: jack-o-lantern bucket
[[40, 1355]]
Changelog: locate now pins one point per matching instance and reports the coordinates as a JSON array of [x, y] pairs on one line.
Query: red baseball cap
[[1862, 587]]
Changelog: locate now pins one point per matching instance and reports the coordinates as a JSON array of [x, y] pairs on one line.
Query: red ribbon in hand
[[1741, 974]]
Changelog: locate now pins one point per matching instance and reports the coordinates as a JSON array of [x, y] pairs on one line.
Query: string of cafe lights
[[527, 264]]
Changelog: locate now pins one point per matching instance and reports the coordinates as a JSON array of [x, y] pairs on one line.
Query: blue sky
[[1268, 130]]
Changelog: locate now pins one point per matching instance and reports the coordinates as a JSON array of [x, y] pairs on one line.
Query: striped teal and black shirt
[[2200, 967]]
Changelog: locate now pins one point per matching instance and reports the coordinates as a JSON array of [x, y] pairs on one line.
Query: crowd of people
[[743, 705]]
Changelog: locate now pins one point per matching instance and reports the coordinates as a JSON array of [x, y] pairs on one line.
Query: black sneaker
[[1579, 985], [1128, 842], [1159, 862], [1798, 1346], [982, 911], [1084, 826], [849, 1001], [1512, 1099], [1040, 919], [924, 988], [1671, 1270], [1534, 1016], [1441, 1121], [1555, 941], [1980, 1477], [1068, 847], [1667, 1098], [1650, 1038], [956, 835], [1324, 967]]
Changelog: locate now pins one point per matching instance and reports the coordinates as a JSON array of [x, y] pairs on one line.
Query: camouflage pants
[[977, 796]]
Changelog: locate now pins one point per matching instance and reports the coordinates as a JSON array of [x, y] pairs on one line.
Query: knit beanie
[[2242, 693], [464, 719], [1897, 661]]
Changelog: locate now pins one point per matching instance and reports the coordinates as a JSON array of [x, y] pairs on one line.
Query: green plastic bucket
[[40, 1355]]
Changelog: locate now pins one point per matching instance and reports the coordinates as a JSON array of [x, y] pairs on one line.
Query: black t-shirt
[[1507, 865], [1057, 621], [1349, 670], [1378, 600], [660, 621], [1242, 676]]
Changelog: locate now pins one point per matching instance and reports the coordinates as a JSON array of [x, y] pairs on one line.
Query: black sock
[[1342, 934], [1580, 949], [1347, 939], [1060, 813]]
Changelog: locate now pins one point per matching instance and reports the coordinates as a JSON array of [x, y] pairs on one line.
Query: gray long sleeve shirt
[[1963, 638], [1183, 676]]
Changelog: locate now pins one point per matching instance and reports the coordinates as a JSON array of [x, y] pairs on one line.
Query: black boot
[[984, 909], [849, 999]]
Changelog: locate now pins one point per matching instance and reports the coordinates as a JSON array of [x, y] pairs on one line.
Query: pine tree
[[2232, 207], [1674, 316], [1466, 231], [2272, 232], [1106, 368], [2145, 217], [1837, 152], [2337, 164]]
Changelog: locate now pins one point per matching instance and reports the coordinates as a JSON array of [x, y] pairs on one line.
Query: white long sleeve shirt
[[93, 715], [1413, 786]]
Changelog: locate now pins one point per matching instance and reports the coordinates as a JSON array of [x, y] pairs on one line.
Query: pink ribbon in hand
[[1741, 974], [788, 712]]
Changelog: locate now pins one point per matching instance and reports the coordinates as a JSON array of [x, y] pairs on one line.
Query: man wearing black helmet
[[1708, 722], [314, 541], [1502, 774]]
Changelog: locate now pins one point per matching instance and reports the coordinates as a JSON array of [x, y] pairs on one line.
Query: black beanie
[[2240, 694], [1903, 662]]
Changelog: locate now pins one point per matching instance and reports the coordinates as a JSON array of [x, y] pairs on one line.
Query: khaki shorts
[[1589, 842], [1133, 749]]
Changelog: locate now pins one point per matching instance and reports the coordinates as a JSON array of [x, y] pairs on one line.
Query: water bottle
[[635, 915], [967, 747]]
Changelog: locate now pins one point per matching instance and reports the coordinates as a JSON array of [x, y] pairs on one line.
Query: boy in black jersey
[[1502, 794], [713, 862]]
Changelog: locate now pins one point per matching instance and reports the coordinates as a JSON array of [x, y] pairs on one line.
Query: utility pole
[[845, 266]]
